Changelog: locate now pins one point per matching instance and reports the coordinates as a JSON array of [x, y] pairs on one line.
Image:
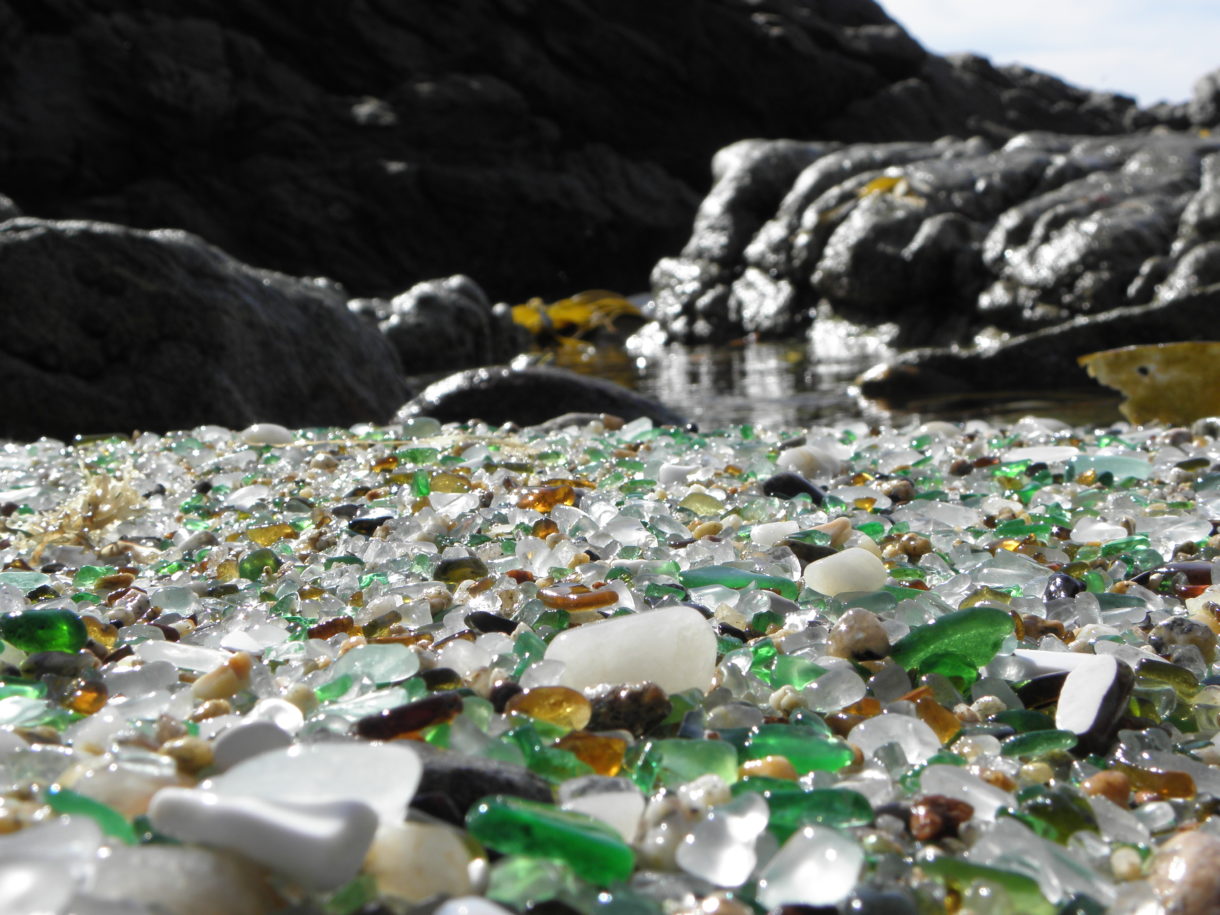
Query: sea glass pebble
[[1093, 699], [852, 569], [592, 849], [44, 630], [817, 866], [720, 848], [319, 843], [615, 801], [640, 648], [383, 776], [246, 740]]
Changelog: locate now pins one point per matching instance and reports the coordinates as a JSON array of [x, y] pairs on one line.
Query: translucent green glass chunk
[[685, 760], [972, 636], [256, 562], [44, 630], [792, 807], [1022, 720], [789, 670], [593, 850], [522, 882], [1038, 743], [88, 576], [807, 751], [737, 579], [1055, 813], [113, 823], [1023, 892]]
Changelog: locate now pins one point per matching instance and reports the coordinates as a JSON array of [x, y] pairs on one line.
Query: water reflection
[[797, 383]]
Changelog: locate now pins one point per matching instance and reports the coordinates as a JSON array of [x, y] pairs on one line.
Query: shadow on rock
[[111, 329]]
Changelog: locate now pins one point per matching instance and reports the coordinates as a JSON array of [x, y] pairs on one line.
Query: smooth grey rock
[[110, 329], [529, 396], [445, 324]]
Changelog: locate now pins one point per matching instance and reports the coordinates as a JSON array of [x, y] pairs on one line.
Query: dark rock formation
[[540, 146], [530, 396], [445, 324], [109, 329], [946, 238], [1041, 360]]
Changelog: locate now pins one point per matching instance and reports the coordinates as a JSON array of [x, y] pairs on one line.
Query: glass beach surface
[[949, 666]]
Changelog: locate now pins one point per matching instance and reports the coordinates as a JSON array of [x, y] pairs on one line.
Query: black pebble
[[788, 485]]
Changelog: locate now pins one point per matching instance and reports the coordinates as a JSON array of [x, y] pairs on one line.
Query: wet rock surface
[[538, 147], [947, 238], [443, 324], [529, 396], [1042, 359], [123, 329]]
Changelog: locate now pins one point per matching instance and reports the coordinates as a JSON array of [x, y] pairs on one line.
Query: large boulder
[[110, 329], [540, 146], [944, 239]]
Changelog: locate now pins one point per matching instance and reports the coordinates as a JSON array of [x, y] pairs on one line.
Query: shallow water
[[795, 383]]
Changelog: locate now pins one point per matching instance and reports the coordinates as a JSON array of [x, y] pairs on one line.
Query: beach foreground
[[597, 666]]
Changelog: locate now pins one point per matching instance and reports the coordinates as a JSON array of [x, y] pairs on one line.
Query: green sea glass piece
[[738, 580], [1022, 891], [113, 823], [963, 639], [257, 562], [593, 850], [1038, 743], [1055, 813], [792, 807], [805, 749], [685, 760], [44, 630], [789, 670]]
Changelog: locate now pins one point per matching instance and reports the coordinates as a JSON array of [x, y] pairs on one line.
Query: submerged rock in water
[[944, 238], [529, 396], [113, 329]]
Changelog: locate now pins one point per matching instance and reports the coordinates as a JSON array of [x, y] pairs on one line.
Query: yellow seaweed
[[594, 309], [1174, 383], [884, 185], [896, 186]]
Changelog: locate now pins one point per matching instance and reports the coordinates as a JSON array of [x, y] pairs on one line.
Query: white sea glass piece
[[384, 776], [816, 866], [319, 843], [852, 569], [673, 647]]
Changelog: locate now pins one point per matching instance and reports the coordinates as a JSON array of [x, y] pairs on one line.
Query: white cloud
[[1152, 50]]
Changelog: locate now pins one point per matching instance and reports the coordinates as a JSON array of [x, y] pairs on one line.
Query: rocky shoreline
[[417, 163]]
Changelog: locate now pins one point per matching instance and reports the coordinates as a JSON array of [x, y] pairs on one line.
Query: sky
[[1153, 50]]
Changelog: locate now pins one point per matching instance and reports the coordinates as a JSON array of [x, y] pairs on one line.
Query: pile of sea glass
[[611, 668]]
